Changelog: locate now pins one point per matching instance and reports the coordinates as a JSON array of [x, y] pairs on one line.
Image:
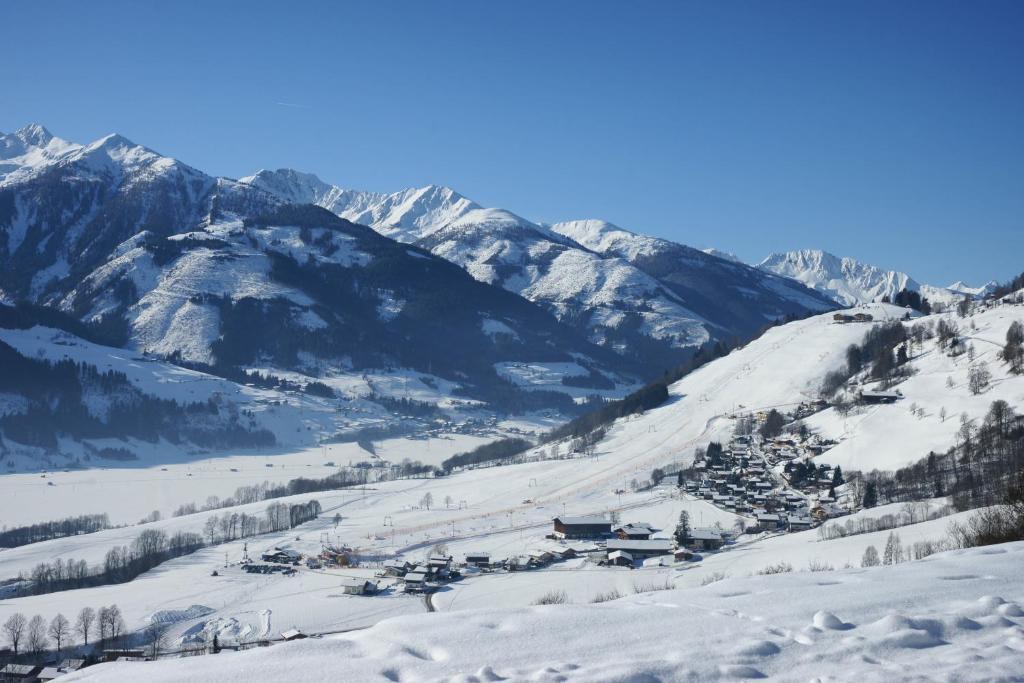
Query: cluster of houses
[[739, 479], [422, 577]]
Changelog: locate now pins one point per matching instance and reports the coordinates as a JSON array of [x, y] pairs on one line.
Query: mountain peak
[[34, 135]]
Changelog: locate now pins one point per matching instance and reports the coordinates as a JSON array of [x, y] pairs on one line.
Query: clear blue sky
[[888, 131]]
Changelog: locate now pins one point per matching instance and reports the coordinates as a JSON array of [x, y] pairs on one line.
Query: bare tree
[[448, 501], [84, 622], [115, 622], [37, 640], [14, 629], [156, 634], [427, 500], [60, 630], [102, 623], [870, 558], [978, 378]]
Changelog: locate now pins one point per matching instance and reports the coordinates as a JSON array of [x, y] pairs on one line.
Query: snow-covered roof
[[583, 521], [634, 546]]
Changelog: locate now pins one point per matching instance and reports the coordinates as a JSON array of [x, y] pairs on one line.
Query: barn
[[582, 527]]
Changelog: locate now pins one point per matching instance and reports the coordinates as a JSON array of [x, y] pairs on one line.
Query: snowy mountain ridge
[[850, 281], [587, 273]]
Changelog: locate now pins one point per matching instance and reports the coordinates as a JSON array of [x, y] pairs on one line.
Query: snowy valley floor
[[953, 616]]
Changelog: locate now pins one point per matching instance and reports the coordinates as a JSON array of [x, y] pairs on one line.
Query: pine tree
[[837, 477], [893, 553], [682, 534], [870, 495]]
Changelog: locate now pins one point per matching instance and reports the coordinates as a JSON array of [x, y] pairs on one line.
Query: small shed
[[358, 587], [620, 558], [293, 634]]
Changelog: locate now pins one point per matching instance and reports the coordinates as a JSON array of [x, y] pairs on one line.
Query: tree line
[[979, 470], [46, 531], [33, 637]]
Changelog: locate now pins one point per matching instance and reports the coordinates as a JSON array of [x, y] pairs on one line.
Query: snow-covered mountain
[[846, 280], [161, 258], [850, 282], [635, 307], [730, 295]]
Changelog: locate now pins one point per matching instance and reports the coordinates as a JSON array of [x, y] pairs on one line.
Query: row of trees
[[153, 547], [34, 637], [45, 531], [343, 478]]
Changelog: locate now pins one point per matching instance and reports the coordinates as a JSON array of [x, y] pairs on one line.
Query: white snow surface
[[954, 616]]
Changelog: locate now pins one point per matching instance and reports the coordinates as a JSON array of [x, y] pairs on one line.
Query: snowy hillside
[[850, 282], [964, 621]]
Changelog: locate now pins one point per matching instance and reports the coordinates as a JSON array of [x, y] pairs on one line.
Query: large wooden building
[[582, 527]]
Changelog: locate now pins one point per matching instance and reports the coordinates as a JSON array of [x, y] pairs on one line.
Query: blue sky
[[891, 132]]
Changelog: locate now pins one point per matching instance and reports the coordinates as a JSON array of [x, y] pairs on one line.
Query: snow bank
[[954, 616]]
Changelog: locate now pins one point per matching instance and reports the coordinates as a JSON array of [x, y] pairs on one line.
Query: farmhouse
[[293, 634], [582, 527], [641, 549], [768, 522], [478, 560]]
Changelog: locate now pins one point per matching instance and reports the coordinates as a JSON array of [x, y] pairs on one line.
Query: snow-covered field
[[127, 493], [954, 616]]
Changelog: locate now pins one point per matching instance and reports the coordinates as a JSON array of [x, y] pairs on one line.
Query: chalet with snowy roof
[[641, 549], [582, 527], [293, 634], [800, 523], [415, 581], [397, 568], [768, 522], [639, 531], [706, 539]]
